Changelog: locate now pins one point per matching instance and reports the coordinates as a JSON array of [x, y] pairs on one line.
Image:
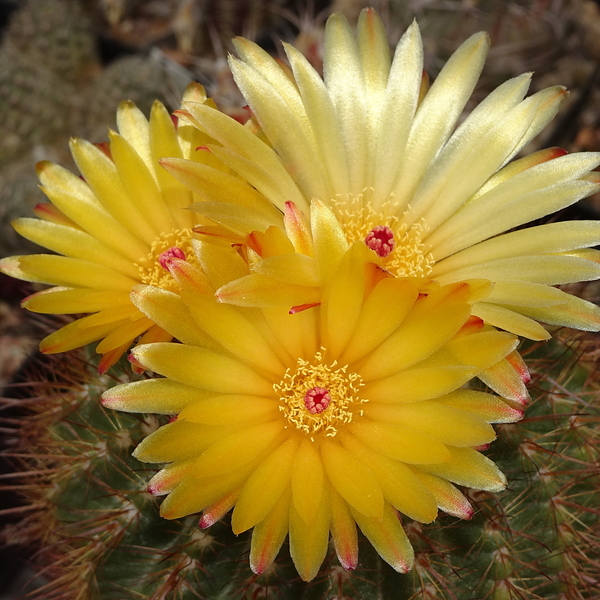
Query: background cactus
[[92, 529], [100, 537]]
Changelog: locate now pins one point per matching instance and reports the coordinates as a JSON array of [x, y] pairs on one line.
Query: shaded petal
[[544, 269], [308, 543], [164, 142], [169, 477], [294, 268], [574, 312], [408, 345], [506, 382], [269, 534], [73, 336], [329, 241], [400, 442], [343, 531], [62, 270], [101, 175], [230, 328], [307, 480], [212, 371], [123, 334], [229, 452], [73, 243], [400, 487], [448, 498], [176, 441], [140, 182], [169, 311], [543, 239], [264, 487], [444, 423], [388, 538], [342, 302], [487, 406], [161, 396], [268, 176], [414, 385], [221, 410], [213, 185], [470, 468], [398, 109], [257, 290], [510, 320], [64, 300], [438, 112], [352, 480], [193, 495], [383, 311]]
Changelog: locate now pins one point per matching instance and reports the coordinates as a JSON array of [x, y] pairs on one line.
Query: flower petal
[[264, 487], [269, 534], [352, 480], [213, 371], [388, 538]]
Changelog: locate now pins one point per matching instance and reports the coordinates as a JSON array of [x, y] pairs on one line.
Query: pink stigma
[[173, 252], [381, 240], [316, 400]]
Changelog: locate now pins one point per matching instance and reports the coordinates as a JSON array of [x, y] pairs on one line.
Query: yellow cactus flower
[[386, 153], [311, 423], [114, 227]]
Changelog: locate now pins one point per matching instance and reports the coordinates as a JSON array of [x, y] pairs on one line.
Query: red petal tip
[[206, 521], [301, 307]]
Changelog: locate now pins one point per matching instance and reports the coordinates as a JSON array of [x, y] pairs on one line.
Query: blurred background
[[66, 64]]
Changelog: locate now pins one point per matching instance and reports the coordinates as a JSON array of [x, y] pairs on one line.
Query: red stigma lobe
[[381, 240]]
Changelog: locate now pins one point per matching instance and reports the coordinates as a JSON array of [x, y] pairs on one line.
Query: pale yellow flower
[[309, 424], [386, 154]]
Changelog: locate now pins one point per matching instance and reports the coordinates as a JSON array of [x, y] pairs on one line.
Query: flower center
[[381, 240], [173, 252], [171, 244], [317, 400], [319, 397], [399, 244]]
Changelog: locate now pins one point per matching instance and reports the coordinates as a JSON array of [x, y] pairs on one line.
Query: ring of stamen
[[407, 255], [318, 397]]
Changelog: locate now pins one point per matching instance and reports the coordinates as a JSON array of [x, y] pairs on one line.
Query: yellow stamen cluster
[[150, 268], [342, 386], [410, 256]]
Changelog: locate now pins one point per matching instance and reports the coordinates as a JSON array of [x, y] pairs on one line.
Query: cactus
[[100, 535]]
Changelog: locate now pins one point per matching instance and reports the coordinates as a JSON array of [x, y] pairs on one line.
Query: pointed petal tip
[[153, 489], [206, 521], [349, 562]]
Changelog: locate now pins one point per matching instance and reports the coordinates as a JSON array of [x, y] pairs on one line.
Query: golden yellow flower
[[311, 423], [385, 152], [111, 229]]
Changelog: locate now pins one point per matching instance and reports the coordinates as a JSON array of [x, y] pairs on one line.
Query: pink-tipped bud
[[381, 240], [167, 255], [317, 400]]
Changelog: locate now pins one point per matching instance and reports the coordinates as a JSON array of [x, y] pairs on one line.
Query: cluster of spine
[[100, 536]]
